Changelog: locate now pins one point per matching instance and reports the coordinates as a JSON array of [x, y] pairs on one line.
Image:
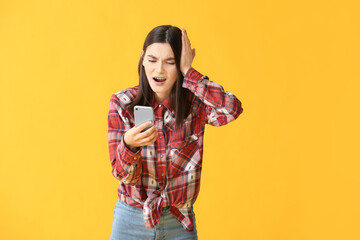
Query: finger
[[147, 133], [149, 140], [154, 139], [185, 38], [142, 126]]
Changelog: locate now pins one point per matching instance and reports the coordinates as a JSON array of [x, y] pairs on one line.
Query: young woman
[[159, 169]]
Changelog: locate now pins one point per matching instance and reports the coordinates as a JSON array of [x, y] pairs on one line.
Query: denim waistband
[[140, 209]]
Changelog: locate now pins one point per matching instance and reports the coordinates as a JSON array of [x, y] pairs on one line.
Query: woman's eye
[[167, 62]]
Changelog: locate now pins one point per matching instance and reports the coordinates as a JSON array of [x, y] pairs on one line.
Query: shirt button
[[135, 158], [159, 120], [160, 105], [161, 155], [160, 137], [162, 174]]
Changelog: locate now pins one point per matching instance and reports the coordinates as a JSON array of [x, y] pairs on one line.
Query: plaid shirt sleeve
[[222, 107], [125, 163]]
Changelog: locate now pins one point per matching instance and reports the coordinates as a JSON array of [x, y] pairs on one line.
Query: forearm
[[124, 161], [221, 106], [126, 164]]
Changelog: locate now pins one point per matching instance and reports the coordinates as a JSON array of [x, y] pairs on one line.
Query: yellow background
[[287, 168]]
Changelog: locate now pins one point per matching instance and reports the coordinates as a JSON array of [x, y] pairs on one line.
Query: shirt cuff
[[192, 77], [126, 154]]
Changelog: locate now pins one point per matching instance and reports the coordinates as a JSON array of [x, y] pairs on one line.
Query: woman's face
[[160, 69]]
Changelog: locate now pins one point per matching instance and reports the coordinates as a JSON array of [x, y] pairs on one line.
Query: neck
[[161, 98]]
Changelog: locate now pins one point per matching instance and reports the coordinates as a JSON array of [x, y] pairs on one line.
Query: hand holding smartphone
[[144, 132]]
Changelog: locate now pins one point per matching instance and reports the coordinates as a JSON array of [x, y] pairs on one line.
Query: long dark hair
[[179, 96]]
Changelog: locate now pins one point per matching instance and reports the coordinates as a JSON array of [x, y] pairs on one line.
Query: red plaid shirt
[[167, 172]]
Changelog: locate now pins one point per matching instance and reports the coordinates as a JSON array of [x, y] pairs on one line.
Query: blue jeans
[[128, 224]]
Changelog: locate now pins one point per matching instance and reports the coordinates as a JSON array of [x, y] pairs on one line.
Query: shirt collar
[[166, 103]]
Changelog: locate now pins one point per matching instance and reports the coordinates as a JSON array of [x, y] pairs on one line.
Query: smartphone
[[143, 114]]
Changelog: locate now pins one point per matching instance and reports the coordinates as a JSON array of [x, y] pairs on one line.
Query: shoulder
[[125, 96]]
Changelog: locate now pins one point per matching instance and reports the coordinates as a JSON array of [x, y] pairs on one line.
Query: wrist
[[132, 148], [186, 70]]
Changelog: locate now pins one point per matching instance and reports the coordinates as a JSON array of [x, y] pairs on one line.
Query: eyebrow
[[170, 58]]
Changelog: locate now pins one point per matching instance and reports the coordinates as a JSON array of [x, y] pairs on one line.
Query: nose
[[160, 67]]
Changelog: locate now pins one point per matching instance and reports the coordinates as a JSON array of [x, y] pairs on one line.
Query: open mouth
[[159, 79]]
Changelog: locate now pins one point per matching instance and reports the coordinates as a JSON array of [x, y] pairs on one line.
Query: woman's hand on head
[[135, 138], [187, 54]]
